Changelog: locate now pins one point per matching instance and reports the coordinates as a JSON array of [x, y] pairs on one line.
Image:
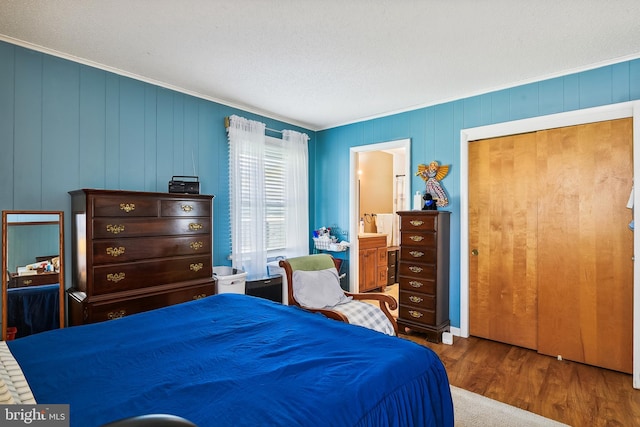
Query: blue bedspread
[[236, 360]]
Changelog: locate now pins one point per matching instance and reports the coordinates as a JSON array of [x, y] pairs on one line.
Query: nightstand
[[268, 287]]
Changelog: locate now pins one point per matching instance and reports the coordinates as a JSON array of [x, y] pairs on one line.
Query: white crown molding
[[124, 73]]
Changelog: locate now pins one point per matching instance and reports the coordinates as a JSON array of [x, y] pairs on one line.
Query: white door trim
[[571, 118], [354, 225]]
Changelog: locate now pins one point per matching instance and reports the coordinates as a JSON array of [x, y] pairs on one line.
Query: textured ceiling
[[324, 63]]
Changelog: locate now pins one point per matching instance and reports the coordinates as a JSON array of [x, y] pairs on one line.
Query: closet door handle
[[474, 252]]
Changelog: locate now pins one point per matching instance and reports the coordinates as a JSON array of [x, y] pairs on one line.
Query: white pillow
[[318, 288]]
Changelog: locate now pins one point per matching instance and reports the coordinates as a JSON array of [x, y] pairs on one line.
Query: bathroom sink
[[370, 234]]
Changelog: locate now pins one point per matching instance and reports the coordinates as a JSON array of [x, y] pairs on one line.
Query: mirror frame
[[5, 284]]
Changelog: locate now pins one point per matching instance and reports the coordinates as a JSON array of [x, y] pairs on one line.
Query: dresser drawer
[[33, 280], [140, 248], [122, 277], [391, 276], [125, 206], [419, 285], [421, 271], [412, 254], [418, 315], [370, 242], [415, 299], [421, 239], [419, 223], [392, 256], [98, 312], [104, 228], [185, 208]]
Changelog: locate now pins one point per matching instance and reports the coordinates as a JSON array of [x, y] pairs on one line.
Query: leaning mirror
[[32, 272]]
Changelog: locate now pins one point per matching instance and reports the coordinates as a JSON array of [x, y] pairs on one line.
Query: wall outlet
[[447, 338]]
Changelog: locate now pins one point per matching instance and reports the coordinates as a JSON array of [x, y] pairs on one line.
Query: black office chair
[[152, 420]]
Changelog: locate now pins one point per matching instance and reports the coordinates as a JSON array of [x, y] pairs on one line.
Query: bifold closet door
[[550, 263], [585, 248], [503, 198]]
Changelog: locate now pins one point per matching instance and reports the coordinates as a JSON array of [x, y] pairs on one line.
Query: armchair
[[329, 288]]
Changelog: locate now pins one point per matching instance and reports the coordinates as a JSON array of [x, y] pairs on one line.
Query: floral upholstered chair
[[314, 285]]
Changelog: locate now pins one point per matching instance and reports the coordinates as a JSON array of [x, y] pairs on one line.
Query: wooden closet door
[[503, 197], [585, 248]]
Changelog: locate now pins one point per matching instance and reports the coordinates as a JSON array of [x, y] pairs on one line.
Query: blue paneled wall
[[65, 126], [435, 135]]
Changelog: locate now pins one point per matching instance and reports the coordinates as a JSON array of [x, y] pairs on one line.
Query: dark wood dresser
[[423, 272], [137, 251]]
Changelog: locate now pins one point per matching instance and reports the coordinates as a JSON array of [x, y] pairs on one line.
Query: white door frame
[[571, 118], [354, 225]]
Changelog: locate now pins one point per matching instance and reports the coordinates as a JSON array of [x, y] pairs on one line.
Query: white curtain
[[246, 194], [297, 193]]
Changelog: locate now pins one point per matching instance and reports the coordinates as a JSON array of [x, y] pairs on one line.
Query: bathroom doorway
[[398, 190]]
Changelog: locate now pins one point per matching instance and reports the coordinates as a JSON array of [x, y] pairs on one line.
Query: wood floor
[[569, 392]]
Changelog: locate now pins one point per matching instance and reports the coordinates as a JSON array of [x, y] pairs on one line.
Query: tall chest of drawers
[[137, 251], [423, 272]]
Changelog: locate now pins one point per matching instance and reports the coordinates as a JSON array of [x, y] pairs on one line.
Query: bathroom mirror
[[32, 272]]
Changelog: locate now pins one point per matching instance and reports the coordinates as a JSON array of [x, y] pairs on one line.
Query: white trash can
[[229, 280]]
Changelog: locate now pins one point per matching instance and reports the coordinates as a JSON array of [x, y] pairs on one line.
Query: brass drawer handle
[[115, 229], [196, 267], [115, 252], [415, 314], [196, 245], [415, 299], [186, 208], [416, 284], [415, 268], [416, 254], [128, 207], [115, 278], [116, 314], [195, 226], [27, 282], [199, 296], [416, 238], [416, 222]]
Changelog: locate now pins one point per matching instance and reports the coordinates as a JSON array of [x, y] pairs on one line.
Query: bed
[[236, 360], [33, 309]]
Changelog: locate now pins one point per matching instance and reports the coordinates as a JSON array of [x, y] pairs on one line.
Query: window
[[274, 196], [275, 200], [268, 195]]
